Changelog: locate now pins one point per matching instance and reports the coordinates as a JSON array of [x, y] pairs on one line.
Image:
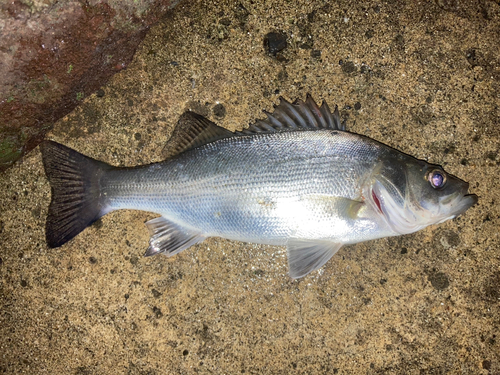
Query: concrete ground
[[421, 77]]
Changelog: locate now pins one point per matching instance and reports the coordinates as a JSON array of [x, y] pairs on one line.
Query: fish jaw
[[456, 204]]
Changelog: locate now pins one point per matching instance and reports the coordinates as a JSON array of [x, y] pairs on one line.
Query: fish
[[297, 178]]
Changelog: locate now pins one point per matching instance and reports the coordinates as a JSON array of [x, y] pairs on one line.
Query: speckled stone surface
[[421, 77]]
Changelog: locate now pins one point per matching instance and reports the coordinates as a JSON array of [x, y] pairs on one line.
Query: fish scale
[[218, 189]]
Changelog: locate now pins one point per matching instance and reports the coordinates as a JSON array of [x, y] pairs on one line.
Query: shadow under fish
[[296, 178]]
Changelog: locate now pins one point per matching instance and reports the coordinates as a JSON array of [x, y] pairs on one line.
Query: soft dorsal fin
[[298, 115], [193, 130]]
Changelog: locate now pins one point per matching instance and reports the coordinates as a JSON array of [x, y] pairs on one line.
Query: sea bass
[[296, 179]]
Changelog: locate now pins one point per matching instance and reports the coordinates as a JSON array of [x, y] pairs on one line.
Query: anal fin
[[305, 256], [169, 238]]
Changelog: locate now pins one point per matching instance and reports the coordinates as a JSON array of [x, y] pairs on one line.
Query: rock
[[55, 53], [275, 42]]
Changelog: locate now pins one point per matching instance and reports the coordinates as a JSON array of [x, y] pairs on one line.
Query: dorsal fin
[[297, 116], [193, 130]]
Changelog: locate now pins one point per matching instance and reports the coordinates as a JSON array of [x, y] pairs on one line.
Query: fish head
[[440, 195], [413, 194]]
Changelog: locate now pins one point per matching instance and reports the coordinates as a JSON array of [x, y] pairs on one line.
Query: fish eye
[[437, 178]]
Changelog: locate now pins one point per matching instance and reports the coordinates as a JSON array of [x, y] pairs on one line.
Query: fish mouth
[[460, 202], [466, 202]]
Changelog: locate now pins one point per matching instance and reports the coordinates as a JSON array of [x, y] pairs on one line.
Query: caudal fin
[[76, 201]]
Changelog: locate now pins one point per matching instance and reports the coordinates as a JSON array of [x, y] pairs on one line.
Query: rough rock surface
[[420, 76], [54, 53]]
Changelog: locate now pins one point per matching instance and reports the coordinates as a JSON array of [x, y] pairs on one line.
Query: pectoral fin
[[305, 256], [170, 238]]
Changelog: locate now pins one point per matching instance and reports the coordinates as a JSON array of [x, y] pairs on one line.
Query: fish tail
[[76, 200]]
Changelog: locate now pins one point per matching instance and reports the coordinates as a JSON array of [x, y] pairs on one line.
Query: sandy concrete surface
[[421, 77]]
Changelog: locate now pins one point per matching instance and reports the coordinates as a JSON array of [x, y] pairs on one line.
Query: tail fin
[[76, 201]]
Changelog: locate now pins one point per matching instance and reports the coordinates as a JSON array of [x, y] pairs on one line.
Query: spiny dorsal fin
[[193, 130], [297, 116]]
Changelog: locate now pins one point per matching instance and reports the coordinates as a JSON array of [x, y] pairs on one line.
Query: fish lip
[[464, 202], [473, 198]]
